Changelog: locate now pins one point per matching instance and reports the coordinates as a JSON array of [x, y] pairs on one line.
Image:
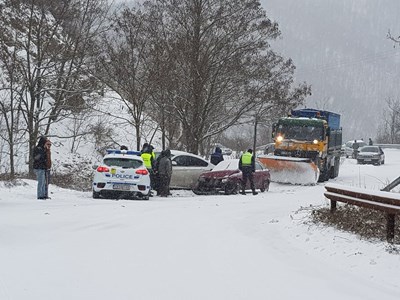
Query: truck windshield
[[304, 133]]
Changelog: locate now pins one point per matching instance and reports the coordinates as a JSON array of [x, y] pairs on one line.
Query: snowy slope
[[191, 247]]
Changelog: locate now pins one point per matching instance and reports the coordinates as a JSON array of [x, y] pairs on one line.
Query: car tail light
[[103, 169], [142, 172]]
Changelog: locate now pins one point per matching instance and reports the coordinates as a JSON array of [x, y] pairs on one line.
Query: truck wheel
[[335, 168], [324, 176]]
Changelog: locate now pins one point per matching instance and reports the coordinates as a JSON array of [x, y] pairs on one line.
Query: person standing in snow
[[147, 156], [164, 173], [41, 166], [248, 166], [217, 156], [370, 142], [355, 148], [47, 147]]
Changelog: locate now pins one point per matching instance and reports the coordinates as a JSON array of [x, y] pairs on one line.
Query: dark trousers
[[163, 188], [152, 178], [247, 175]]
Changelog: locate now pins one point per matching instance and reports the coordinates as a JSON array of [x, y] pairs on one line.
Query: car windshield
[[231, 164], [370, 149], [300, 132], [125, 163]]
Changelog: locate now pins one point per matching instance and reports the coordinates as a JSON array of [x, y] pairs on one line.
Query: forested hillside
[[81, 71], [341, 48]]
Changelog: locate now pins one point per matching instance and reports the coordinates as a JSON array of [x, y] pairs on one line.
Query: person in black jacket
[[217, 156], [40, 167], [164, 172]]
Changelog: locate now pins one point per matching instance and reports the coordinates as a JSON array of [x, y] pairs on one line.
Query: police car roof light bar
[[128, 152]]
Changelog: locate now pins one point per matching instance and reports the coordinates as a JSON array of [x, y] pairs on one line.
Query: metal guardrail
[[377, 200], [394, 146]]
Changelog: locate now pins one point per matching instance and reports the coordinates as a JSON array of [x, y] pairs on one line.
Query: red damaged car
[[226, 178]]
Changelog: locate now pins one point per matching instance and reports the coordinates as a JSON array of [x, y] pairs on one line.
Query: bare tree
[[12, 129], [220, 53], [389, 130], [125, 65], [53, 42], [394, 39]]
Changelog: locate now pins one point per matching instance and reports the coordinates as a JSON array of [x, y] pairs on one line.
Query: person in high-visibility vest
[[248, 166], [147, 156]]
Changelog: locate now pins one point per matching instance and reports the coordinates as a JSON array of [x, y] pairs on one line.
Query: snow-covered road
[[191, 247]]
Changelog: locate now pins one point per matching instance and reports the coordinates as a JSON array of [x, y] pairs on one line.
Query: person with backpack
[[42, 166]]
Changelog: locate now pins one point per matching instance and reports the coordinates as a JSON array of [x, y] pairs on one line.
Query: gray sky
[[340, 48]]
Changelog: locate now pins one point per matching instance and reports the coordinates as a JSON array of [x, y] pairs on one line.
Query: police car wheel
[[96, 195]]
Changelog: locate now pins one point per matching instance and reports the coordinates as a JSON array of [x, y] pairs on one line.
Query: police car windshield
[[126, 163]]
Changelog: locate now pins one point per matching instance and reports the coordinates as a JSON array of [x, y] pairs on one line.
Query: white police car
[[121, 174]]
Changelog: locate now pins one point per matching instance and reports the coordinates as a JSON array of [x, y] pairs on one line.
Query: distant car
[[121, 174], [371, 155], [186, 169], [226, 178], [347, 148]]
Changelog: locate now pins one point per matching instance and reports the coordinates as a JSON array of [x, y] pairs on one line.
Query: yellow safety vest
[[246, 159], [147, 159]]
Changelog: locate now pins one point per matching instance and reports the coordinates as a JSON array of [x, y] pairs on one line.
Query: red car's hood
[[219, 174]]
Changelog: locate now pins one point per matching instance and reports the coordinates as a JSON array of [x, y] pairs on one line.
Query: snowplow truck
[[307, 147]]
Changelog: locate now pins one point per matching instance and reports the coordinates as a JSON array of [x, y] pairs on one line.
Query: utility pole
[[255, 133]]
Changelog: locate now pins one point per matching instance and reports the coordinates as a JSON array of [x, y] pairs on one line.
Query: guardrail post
[[333, 206], [390, 227]]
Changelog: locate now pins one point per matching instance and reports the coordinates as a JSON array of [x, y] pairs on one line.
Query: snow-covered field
[[191, 247]]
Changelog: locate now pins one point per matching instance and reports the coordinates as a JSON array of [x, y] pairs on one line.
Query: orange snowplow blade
[[291, 170]]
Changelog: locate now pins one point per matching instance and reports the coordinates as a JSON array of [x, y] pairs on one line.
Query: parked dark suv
[[371, 155]]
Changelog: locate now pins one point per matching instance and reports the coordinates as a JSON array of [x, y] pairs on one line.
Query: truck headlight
[[315, 142], [279, 138]]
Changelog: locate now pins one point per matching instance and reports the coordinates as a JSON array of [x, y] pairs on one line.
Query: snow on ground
[[191, 247]]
